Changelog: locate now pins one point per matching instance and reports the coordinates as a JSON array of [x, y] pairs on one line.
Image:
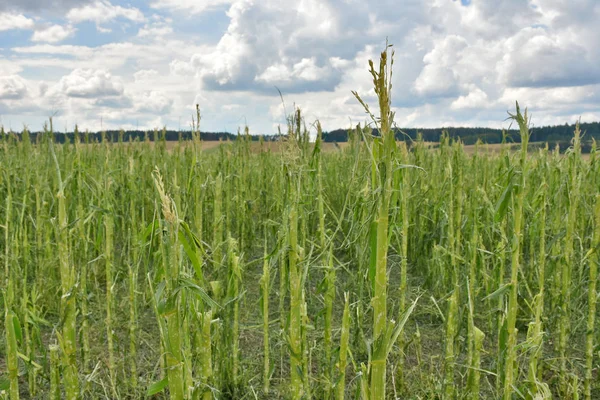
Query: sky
[[111, 64]]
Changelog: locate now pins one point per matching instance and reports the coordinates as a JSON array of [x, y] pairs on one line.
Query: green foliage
[[278, 271]]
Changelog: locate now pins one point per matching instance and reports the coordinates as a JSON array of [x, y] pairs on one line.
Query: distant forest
[[560, 134], [551, 134]]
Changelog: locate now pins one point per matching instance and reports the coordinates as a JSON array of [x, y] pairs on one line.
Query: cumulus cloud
[[110, 56], [535, 58], [9, 21], [8, 67], [53, 34], [89, 83], [103, 11], [500, 18], [182, 68], [553, 98], [156, 29], [476, 99], [40, 5], [191, 6], [116, 102], [266, 44], [17, 96], [12, 87], [154, 102], [302, 75], [454, 63], [438, 78], [145, 75]]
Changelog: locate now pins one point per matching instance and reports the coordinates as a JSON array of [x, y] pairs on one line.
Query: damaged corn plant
[[384, 268]]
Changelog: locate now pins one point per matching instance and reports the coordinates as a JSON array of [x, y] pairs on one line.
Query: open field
[[94, 233], [254, 147], [489, 149], [297, 270]]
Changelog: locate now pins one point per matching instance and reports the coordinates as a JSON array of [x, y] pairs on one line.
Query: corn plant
[[516, 245]]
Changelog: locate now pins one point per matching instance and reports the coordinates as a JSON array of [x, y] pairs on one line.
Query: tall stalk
[[68, 306], [12, 360], [592, 297], [327, 339], [343, 357], [218, 222], [133, 279], [517, 239], [404, 196], [206, 355], [537, 328], [265, 281], [108, 258], [173, 340], [295, 324], [383, 155], [54, 373], [233, 298], [474, 335], [569, 262], [83, 273], [452, 321]]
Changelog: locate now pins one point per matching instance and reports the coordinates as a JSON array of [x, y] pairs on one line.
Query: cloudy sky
[[133, 63]]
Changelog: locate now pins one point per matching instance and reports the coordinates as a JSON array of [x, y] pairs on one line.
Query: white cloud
[[275, 73], [145, 75], [154, 102], [54, 6], [88, 83], [305, 70], [53, 34], [102, 29], [183, 68], [156, 29], [190, 6], [8, 68], [49, 49], [111, 56], [121, 103], [12, 87], [9, 21], [535, 58], [500, 18], [552, 98], [438, 78], [226, 65], [266, 43], [437, 81], [103, 11], [476, 99], [308, 70], [454, 64]]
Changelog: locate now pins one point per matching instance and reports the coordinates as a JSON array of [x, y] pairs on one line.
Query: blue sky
[[127, 64]]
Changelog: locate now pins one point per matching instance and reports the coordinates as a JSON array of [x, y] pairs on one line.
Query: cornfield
[[383, 270]]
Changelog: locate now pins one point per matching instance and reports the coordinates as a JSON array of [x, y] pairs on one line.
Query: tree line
[[553, 134], [560, 135]]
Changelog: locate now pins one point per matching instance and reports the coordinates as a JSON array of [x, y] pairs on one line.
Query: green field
[[242, 271]]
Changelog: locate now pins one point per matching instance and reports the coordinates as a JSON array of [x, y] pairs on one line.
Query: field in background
[[483, 149]]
